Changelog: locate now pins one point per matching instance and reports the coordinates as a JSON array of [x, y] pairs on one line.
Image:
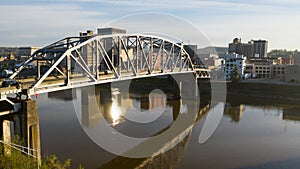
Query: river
[[252, 132]]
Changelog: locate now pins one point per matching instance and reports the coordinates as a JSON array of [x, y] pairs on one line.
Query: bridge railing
[[26, 150]]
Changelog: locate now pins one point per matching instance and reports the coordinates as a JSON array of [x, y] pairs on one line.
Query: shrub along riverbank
[[18, 160]]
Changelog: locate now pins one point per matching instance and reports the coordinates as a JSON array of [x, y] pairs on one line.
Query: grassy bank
[[266, 91]]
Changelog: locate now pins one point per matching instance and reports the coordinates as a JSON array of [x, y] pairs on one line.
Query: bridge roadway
[[49, 84]]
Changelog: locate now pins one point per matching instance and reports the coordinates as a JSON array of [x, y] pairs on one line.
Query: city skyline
[[38, 23]]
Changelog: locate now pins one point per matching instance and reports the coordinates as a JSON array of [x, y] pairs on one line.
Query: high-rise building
[[236, 46], [254, 48], [260, 48], [108, 44], [192, 51], [248, 49], [109, 31]]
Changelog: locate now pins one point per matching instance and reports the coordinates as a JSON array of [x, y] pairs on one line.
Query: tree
[[235, 75]]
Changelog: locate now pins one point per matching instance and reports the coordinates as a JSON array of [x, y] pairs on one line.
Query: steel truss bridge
[[89, 60]]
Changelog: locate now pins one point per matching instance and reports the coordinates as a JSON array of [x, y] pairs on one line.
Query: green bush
[[18, 160]]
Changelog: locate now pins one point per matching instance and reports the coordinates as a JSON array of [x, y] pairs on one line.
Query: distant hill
[[212, 50]]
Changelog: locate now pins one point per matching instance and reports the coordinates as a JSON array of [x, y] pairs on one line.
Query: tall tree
[[235, 75]]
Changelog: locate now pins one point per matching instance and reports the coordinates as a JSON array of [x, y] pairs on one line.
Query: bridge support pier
[[31, 129], [6, 136]]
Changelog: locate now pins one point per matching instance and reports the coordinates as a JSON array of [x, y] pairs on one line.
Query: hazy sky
[[41, 22]]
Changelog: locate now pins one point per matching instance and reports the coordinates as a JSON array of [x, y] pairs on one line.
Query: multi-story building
[[249, 69], [254, 48], [261, 68], [236, 46], [25, 52], [233, 61], [109, 31], [278, 72], [212, 61], [262, 71], [262, 61], [260, 48], [248, 49], [108, 45], [192, 51], [86, 51], [266, 68]]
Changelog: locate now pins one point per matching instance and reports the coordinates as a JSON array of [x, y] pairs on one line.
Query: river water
[[252, 132]]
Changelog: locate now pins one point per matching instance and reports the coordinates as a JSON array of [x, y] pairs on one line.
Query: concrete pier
[[6, 136], [31, 127]]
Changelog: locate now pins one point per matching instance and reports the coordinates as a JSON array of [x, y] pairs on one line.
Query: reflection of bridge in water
[[167, 159], [165, 155]]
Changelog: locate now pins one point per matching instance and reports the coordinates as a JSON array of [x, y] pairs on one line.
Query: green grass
[[262, 90]]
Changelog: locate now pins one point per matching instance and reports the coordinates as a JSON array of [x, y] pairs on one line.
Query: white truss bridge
[[89, 60]]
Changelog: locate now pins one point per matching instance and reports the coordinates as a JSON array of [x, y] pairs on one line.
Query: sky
[[42, 22]]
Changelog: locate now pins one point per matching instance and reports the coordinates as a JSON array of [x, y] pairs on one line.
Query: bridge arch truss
[[88, 60]]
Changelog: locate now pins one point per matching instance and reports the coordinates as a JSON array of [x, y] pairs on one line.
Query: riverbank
[[265, 90], [270, 81]]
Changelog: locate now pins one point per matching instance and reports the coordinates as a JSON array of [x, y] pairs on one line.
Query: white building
[[233, 60]]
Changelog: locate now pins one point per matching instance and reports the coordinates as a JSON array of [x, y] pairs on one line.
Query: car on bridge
[[10, 82]]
